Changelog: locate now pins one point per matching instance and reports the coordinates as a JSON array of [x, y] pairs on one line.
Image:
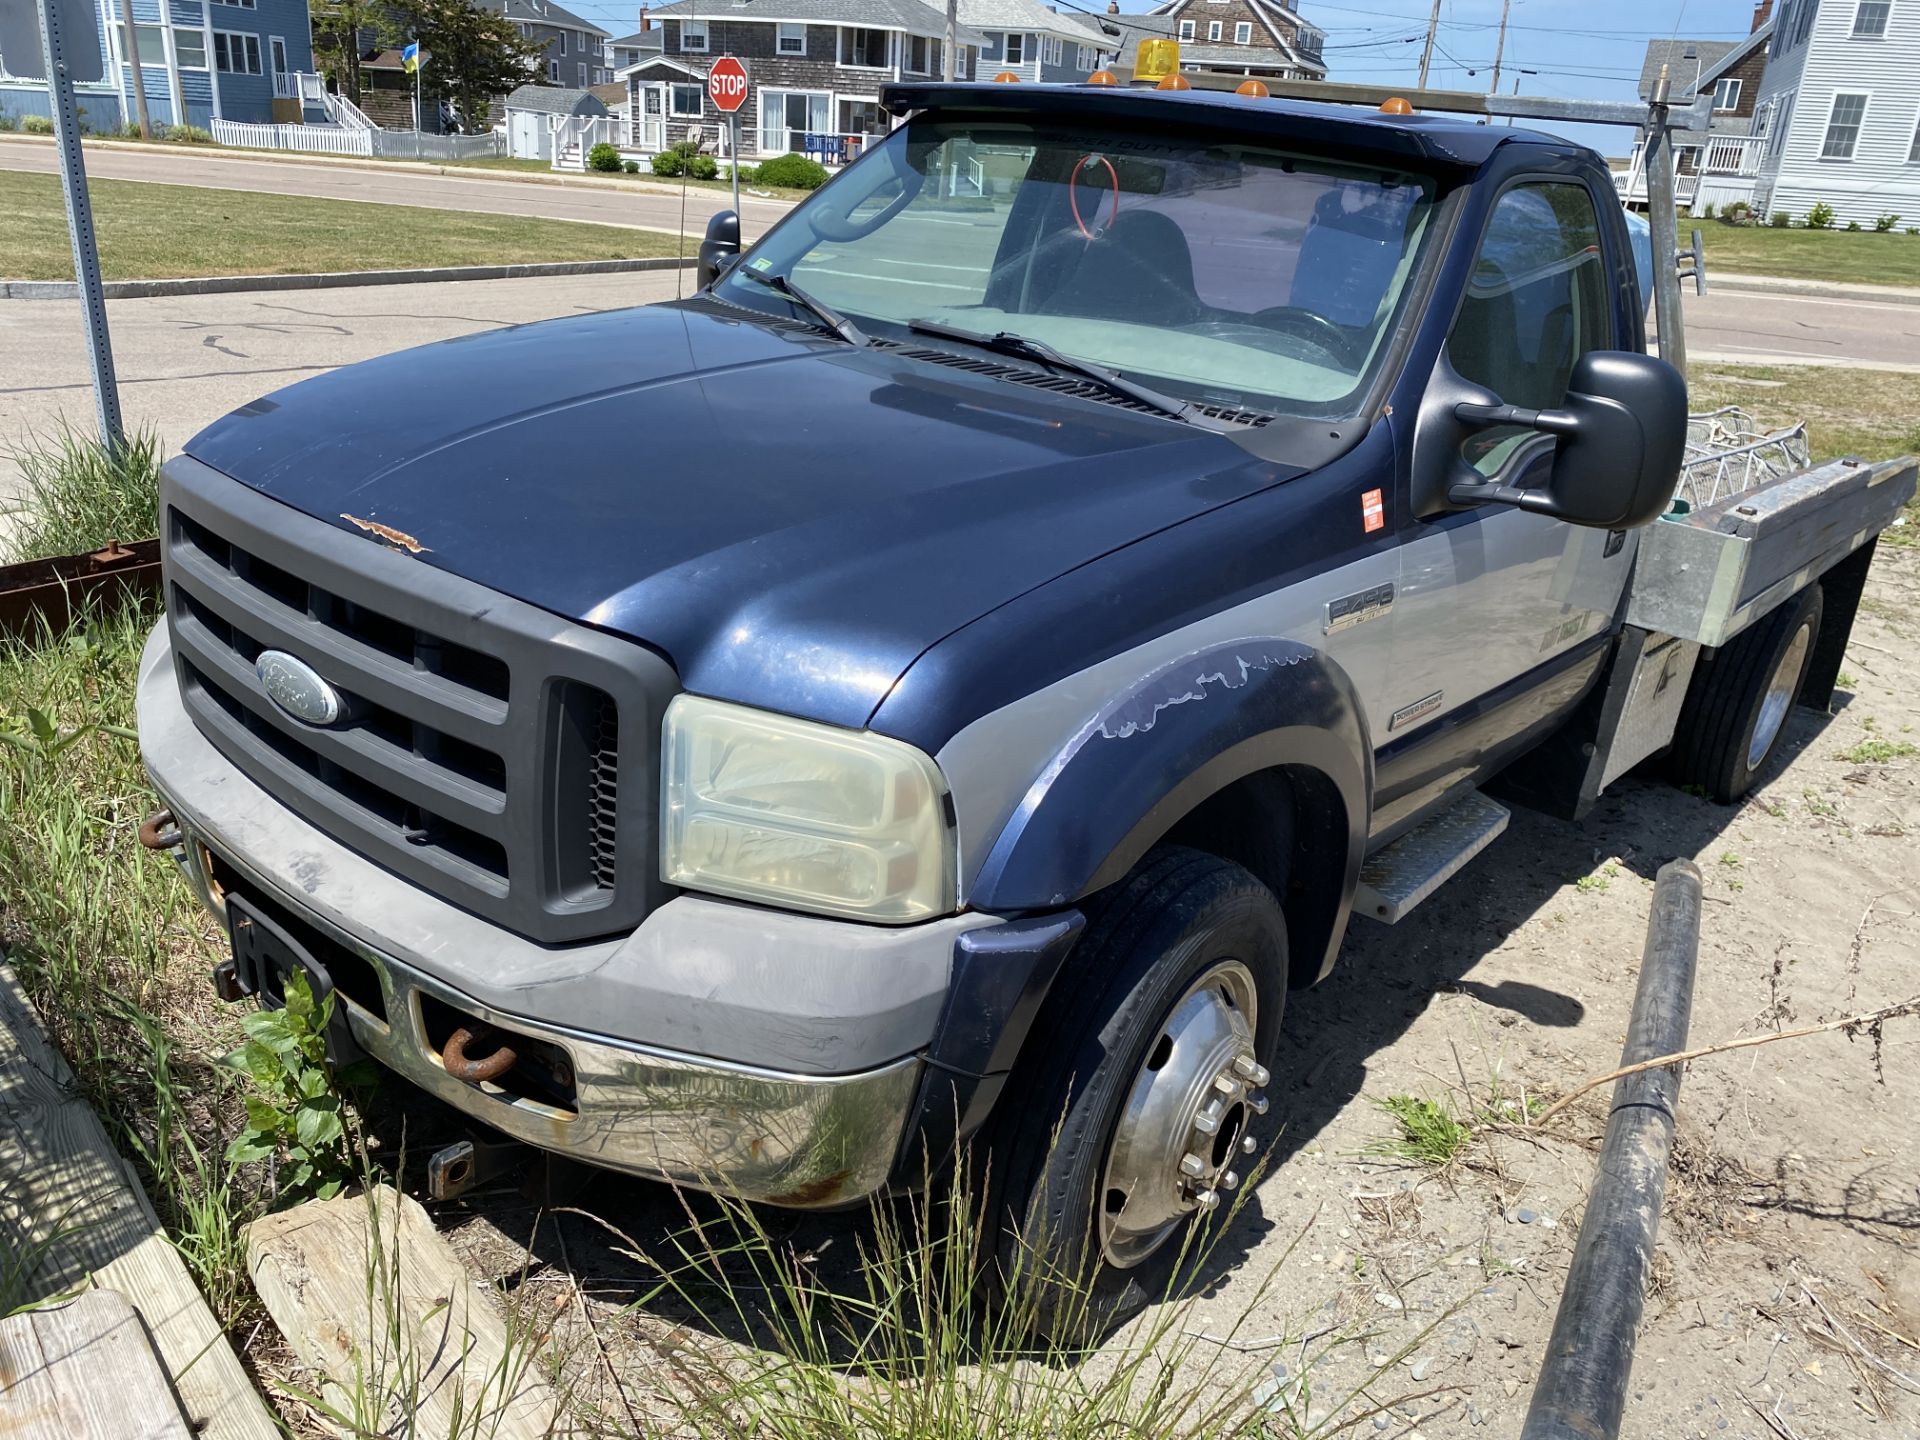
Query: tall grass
[[77, 495], [105, 939]]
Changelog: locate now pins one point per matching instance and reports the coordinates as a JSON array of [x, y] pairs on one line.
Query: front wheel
[[1133, 1102]]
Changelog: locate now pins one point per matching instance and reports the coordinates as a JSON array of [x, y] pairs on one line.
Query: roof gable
[[1681, 72], [913, 16]]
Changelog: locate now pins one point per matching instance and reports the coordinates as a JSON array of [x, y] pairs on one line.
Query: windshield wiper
[[1024, 347], [824, 313]]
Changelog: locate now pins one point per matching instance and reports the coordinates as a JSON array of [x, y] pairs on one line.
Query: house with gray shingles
[[1255, 39], [576, 50], [642, 44], [1026, 39], [814, 72], [1717, 168], [200, 61]]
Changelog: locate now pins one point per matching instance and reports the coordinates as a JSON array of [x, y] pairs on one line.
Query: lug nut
[[1230, 1180], [1225, 1084], [1207, 1200], [1192, 1165], [1248, 1145], [1258, 1104], [1206, 1124], [1254, 1074]]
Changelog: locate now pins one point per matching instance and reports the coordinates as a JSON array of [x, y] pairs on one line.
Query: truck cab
[[932, 692]]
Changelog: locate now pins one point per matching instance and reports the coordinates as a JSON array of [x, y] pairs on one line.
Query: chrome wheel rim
[[1779, 697], [1186, 1117]]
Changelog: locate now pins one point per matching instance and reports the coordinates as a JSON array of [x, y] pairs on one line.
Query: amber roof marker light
[[1395, 105], [1252, 87], [1103, 77], [1006, 77], [1175, 81]]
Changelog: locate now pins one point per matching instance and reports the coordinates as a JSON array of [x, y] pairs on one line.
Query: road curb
[[333, 280], [1808, 289], [612, 183]]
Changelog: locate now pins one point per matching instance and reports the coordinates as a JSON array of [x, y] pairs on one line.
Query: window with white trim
[[865, 48], [581, 67], [1083, 57], [1870, 19], [235, 53], [1782, 121], [1015, 51], [1726, 95], [1807, 11], [1053, 50], [791, 39], [561, 37], [919, 58], [153, 45], [1213, 30], [1186, 29], [189, 48], [238, 4], [685, 101], [693, 35], [1843, 125], [553, 71], [1243, 32]]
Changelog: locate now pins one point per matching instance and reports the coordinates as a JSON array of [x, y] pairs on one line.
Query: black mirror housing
[[719, 249], [1622, 433]]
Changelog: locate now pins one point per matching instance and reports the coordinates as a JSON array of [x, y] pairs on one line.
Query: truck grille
[[481, 745]]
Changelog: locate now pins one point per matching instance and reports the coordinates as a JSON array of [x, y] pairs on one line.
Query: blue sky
[[1586, 50]]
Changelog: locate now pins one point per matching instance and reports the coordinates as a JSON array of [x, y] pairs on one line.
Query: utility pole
[[139, 80], [1426, 54], [1500, 47], [952, 41]]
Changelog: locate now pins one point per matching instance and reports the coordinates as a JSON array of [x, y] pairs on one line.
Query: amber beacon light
[[1103, 77], [1253, 88], [1006, 77], [1395, 105], [1175, 81]]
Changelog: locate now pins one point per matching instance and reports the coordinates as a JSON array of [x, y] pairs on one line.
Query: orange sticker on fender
[[1373, 511]]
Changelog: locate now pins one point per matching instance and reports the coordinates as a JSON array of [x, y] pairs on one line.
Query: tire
[[1737, 706], [1153, 978]]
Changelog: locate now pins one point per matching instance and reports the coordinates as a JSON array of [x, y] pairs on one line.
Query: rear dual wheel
[[1130, 1114], [1739, 699]]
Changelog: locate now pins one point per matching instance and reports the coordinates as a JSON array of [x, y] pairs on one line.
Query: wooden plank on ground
[[84, 1370], [375, 1301], [72, 1214]]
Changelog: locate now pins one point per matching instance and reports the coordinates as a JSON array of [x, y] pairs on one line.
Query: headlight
[[788, 812]]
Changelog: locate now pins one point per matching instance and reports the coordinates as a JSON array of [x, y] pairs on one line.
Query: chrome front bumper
[[796, 1140]]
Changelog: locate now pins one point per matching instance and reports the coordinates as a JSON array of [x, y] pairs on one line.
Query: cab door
[[1501, 614]]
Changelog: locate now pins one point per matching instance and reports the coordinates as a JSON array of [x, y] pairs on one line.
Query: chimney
[[646, 24], [1113, 7], [1760, 14]]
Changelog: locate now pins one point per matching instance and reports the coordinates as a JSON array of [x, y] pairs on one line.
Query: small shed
[[531, 111]]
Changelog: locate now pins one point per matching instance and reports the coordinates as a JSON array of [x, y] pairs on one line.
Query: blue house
[[201, 60]]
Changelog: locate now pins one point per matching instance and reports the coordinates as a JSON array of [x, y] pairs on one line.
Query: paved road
[[1751, 328], [394, 185]]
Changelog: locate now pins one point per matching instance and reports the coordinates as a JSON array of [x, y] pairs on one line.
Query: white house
[[1840, 109]]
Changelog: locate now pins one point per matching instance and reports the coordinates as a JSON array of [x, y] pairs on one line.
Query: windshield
[[1231, 274]]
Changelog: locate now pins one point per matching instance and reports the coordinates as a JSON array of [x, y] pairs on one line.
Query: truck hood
[[789, 519]]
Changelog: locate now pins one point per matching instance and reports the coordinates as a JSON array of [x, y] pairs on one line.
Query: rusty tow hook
[[158, 832], [476, 1072]]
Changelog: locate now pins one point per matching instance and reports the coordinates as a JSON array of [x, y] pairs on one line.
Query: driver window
[[1536, 302]]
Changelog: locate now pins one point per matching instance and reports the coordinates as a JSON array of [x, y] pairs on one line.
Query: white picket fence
[[313, 139], [336, 140]]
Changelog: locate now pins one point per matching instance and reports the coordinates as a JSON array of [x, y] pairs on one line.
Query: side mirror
[[1622, 434], [719, 249]]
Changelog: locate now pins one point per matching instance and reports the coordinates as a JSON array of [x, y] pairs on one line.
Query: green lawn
[[1798, 254], [154, 232]]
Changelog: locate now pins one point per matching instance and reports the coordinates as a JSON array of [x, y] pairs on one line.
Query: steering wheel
[[1087, 162], [1312, 327]]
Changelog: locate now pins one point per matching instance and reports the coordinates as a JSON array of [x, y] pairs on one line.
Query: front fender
[[1177, 736]]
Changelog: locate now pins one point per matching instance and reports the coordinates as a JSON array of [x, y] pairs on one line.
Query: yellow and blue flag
[[411, 58]]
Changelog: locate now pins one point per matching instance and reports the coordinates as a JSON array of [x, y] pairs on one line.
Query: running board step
[[1400, 876]]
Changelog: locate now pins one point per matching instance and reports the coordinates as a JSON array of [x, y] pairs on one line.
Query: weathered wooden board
[[84, 1370], [372, 1299], [72, 1213]]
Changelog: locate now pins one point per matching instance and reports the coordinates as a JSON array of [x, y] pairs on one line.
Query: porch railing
[[827, 146], [1723, 160]]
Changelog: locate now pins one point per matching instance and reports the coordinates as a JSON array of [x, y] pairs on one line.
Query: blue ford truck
[[945, 681]]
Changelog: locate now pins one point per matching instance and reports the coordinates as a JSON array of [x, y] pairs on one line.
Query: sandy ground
[[1785, 1303]]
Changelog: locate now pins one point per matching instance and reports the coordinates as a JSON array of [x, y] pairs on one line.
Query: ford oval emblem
[[296, 687]]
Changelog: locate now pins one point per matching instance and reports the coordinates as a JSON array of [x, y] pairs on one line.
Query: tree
[[343, 30], [473, 54]]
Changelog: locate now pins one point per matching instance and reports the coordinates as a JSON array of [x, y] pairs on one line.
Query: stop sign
[[727, 84]]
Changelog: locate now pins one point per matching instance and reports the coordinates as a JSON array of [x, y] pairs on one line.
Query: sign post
[[727, 88], [70, 50]]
